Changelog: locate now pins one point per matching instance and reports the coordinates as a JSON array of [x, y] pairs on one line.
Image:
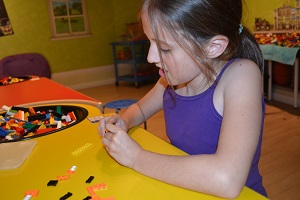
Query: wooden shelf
[[275, 31], [138, 55]]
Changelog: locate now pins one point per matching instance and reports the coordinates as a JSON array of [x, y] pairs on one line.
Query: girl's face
[[179, 68]]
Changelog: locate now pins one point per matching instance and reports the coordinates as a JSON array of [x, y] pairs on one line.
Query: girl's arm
[[223, 174], [139, 112], [150, 104]]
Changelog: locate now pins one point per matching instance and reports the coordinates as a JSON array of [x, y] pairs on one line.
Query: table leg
[[296, 81], [270, 80]]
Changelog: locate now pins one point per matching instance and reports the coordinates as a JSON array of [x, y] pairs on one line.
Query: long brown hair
[[197, 21]]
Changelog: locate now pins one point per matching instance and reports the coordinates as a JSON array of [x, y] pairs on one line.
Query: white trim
[[284, 98], [70, 37], [284, 95], [89, 77], [104, 75]]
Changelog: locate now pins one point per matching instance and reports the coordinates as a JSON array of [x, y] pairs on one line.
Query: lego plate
[[13, 155], [22, 123]]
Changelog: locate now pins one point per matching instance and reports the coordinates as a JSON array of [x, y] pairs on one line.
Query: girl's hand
[[114, 119], [121, 146]]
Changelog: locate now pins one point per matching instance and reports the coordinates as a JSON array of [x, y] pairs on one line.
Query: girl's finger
[[108, 135], [101, 125]]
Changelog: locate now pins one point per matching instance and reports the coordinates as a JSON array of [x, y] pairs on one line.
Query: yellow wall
[[125, 11], [30, 22], [263, 9], [107, 19]]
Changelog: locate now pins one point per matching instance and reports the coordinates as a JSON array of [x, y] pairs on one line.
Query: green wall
[[30, 22], [263, 9]]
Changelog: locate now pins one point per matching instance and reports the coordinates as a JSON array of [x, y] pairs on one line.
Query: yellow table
[[81, 146]]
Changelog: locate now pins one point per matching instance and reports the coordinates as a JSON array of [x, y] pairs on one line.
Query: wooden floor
[[280, 160]]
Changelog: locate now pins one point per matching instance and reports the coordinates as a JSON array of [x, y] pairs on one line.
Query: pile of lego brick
[[10, 80], [20, 122], [280, 39]]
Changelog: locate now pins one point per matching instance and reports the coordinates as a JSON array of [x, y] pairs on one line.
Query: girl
[[211, 93]]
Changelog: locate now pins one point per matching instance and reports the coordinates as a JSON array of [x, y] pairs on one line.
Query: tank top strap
[[224, 68]]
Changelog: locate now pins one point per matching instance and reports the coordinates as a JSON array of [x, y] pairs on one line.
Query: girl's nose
[[153, 55]]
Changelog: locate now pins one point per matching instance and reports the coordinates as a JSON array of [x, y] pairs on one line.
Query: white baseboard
[[104, 75], [284, 95], [90, 77]]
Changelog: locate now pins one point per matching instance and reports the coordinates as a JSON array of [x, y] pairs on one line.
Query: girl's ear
[[216, 46]]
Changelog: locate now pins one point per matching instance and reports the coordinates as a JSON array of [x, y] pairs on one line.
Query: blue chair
[[120, 104]]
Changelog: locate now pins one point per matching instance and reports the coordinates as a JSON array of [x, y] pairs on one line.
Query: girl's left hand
[[121, 146]]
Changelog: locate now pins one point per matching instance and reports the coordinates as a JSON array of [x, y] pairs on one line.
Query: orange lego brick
[[33, 193], [19, 115], [96, 198], [31, 110], [11, 121], [100, 186], [90, 191], [70, 172], [21, 123], [35, 122], [64, 177], [40, 131]]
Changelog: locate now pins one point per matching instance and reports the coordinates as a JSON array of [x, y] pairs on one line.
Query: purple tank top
[[193, 125]]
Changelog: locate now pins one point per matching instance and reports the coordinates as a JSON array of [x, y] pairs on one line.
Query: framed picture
[[5, 26]]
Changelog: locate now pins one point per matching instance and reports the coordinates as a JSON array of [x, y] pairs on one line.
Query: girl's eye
[[165, 50]]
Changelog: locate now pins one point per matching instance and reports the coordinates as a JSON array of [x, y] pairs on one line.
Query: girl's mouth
[[161, 72]]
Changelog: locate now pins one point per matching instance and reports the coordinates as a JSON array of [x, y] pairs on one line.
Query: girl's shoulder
[[241, 63], [242, 68], [241, 78], [240, 74]]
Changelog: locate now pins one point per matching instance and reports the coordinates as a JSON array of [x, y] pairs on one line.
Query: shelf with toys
[[286, 29], [281, 52], [280, 44]]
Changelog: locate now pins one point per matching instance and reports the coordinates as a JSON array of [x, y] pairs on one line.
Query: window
[[68, 18]]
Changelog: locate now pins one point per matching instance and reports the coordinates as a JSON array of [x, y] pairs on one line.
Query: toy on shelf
[[297, 14], [287, 17], [283, 17], [262, 24]]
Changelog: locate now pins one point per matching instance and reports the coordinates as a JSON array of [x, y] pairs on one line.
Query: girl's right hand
[[114, 119]]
